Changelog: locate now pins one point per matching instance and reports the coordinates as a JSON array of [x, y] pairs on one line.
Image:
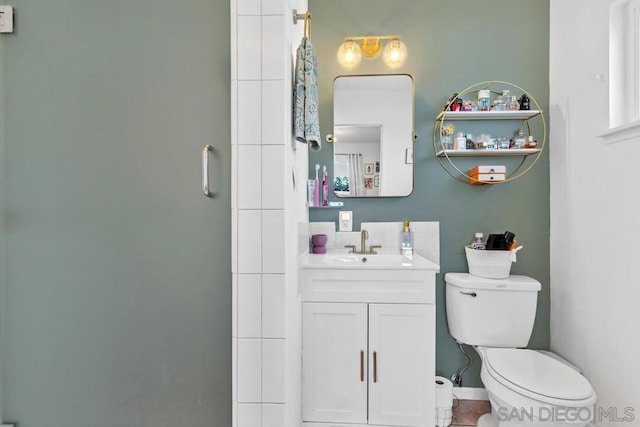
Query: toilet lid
[[538, 373]]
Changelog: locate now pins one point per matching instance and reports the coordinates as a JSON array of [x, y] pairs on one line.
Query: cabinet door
[[401, 364], [334, 352]]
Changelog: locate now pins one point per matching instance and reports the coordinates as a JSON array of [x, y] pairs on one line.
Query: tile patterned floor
[[467, 412]]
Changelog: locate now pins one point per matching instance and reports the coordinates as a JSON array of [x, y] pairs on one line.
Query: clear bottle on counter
[[406, 239], [478, 242]]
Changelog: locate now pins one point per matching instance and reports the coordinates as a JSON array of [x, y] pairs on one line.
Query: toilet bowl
[[525, 387]]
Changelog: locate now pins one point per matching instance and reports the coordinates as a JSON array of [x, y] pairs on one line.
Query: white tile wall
[[248, 7], [273, 7], [234, 374], [273, 160], [234, 304], [249, 375], [234, 176], [234, 242], [274, 112], [249, 170], [273, 415], [249, 241], [273, 231], [249, 306], [249, 49], [273, 46], [249, 415], [262, 194], [273, 361], [249, 112], [273, 309]]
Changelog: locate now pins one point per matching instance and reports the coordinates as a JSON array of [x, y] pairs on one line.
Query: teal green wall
[[452, 45]]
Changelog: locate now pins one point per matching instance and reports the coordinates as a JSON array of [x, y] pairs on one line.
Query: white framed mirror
[[373, 122]]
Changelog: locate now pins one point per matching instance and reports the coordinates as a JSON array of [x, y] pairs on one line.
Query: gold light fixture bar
[[354, 48], [370, 45]]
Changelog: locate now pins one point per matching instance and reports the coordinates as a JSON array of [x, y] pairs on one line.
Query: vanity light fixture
[[351, 51]]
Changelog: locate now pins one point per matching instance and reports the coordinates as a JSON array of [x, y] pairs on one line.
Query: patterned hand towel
[[306, 124]]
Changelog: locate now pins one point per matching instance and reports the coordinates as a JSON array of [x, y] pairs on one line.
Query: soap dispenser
[[406, 240]]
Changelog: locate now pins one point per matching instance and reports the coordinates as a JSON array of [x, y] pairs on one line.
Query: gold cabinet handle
[[361, 365], [375, 367]]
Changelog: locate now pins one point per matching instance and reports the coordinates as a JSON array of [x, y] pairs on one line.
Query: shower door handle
[[206, 188]]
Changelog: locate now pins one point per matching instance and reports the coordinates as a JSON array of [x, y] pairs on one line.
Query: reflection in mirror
[[373, 135]]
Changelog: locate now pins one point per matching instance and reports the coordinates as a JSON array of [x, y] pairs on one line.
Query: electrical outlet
[[345, 221], [6, 22]]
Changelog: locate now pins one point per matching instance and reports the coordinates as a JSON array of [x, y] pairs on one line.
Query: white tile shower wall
[[249, 166], [249, 241], [249, 375], [249, 415], [273, 161], [250, 118], [249, 52], [273, 235], [274, 112], [273, 364], [273, 415], [273, 297], [249, 306], [273, 47], [264, 164]]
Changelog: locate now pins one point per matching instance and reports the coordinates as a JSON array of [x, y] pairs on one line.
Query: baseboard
[[470, 393]]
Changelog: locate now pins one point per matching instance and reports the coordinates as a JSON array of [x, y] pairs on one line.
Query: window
[[624, 62], [624, 71]]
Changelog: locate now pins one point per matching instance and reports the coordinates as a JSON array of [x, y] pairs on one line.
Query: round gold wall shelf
[[530, 156]]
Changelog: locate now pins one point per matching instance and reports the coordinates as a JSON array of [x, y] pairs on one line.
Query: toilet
[[525, 387]]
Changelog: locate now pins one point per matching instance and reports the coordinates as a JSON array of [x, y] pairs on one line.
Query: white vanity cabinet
[[366, 361]]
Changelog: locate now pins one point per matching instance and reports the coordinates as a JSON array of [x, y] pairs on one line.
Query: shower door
[[115, 275]]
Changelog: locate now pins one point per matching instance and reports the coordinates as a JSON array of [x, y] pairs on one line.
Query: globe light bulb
[[394, 53], [349, 54]]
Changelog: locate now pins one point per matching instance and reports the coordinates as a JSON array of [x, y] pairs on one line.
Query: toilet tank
[[491, 312]]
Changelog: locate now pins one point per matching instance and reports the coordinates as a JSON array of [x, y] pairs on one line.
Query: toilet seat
[[538, 376]]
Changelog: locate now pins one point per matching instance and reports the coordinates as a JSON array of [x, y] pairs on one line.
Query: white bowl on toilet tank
[[490, 312]]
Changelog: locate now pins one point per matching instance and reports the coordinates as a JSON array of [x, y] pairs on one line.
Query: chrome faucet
[[364, 235]]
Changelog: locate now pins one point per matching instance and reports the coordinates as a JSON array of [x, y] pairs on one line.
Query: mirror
[[373, 135]]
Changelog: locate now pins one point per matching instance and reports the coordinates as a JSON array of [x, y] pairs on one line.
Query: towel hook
[[307, 21]]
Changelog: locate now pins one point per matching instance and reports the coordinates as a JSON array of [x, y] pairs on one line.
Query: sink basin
[[368, 261]]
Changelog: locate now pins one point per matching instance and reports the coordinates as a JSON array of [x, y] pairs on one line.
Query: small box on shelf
[[486, 178]]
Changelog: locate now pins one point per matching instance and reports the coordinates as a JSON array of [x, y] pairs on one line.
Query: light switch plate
[[345, 221], [6, 20]]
